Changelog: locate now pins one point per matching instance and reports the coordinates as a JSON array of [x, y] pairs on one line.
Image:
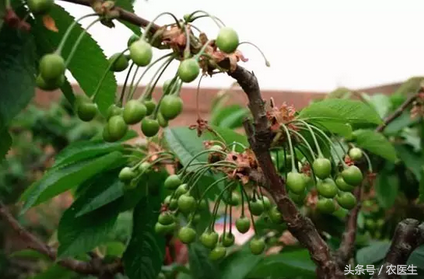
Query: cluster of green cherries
[[152, 115], [329, 190], [181, 201]]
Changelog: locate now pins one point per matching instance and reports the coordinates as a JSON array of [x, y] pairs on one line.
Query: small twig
[[93, 267], [397, 112], [347, 245], [409, 235]]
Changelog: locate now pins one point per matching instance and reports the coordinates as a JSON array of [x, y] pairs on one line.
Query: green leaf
[[411, 86], [200, 265], [234, 120], [29, 254], [61, 179], [421, 187], [239, 264], [355, 112], [411, 159], [387, 188], [417, 257], [400, 123], [380, 102], [112, 189], [17, 75], [77, 235], [128, 6], [336, 127], [146, 249], [291, 264], [82, 150], [373, 253], [67, 91], [228, 117], [5, 143], [54, 272], [115, 248], [88, 64], [375, 143]]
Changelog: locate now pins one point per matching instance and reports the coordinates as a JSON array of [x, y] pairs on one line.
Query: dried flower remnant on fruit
[[244, 162], [175, 37]]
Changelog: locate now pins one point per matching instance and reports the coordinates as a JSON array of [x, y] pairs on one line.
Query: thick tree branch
[[93, 267], [397, 112], [409, 235], [260, 139]]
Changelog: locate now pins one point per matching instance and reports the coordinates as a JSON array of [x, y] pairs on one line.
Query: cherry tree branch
[[397, 112], [409, 235], [259, 135], [93, 267]]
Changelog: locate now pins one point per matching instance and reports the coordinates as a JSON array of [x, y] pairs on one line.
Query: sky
[[312, 45]]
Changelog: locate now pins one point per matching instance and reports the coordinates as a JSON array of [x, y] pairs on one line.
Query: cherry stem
[[99, 85], [218, 200], [251, 215], [207, 190], [267, 63], [132, 84], [313, 137], [8, 5], [145, 71], [121, 98], [187, 51], [202, 50], [78, 41], [152, 23], [199, 154], [231, 220], [331, 144], [242, 200], [218, 21], [294, 169], [237, 143], [225, 223], [68, 32], [368, 161], [197, 97], [306, 142]]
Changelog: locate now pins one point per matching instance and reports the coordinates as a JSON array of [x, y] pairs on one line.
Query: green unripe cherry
[[188, 70], [266, 202], [322, 168], [144, 167], [150, 106], [243, 224], [186, 203], [346, 200], [132, 39], [165, 229], [52, 67], [187, 235], [217, 253], [51, 85], [296, 182], [181, 190], [127, 174], [172, 182], [209, 239], [166, 218], [227, 40], [86, 110], [327, 188], [112, 111], [342, 185], [325, 205], [134, 112], [257, 246], [162, 121], [234, 199], [352, 175], [119, 62], [355, 154], [275, 215], [117, 127], [171, 106], [256, 207], [149, 127], [40, 6], [227, 239], [141, 53]]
